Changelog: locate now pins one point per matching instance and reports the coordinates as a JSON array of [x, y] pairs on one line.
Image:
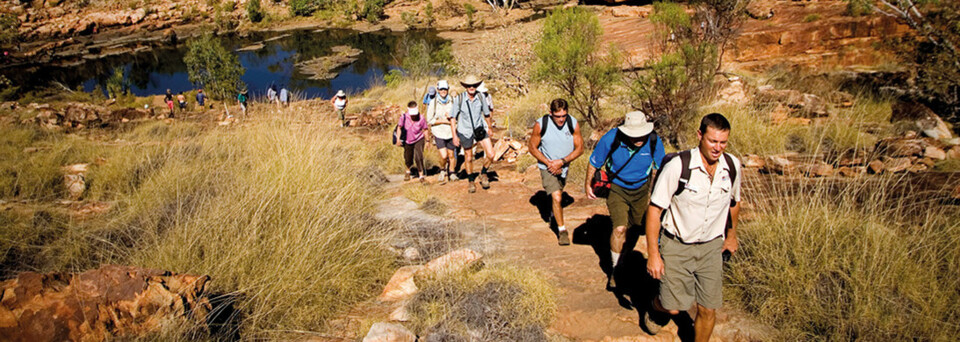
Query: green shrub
[[303, 8], [858, 8], [372, 10], [393, 77], [408, 19], [428, 13], [254, 12], [470, 10], [811, 18]]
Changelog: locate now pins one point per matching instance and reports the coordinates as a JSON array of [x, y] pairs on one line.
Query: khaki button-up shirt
[[699, 213]]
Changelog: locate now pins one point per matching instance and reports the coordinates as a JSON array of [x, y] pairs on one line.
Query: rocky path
[[587, 311]]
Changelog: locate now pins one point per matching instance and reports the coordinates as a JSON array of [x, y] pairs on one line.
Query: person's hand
[[655, 267], [456, 141], [555, 166], [730, 244], [589, 191]]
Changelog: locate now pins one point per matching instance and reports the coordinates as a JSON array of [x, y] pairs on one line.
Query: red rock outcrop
[[110, 302]]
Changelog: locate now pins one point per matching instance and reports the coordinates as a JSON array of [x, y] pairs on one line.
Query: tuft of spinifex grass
[[499, 303], [840, 261]]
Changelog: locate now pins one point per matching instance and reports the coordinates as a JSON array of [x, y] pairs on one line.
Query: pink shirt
[[415, 129]]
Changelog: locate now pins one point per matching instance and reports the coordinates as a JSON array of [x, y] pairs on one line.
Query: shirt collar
[[696, 161]]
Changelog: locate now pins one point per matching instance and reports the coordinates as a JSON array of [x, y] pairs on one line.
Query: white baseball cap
[[442, 84], [413, 111]]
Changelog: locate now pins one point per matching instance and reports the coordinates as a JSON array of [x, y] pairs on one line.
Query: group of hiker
[[454, 123], [181, 103], [687, 203]]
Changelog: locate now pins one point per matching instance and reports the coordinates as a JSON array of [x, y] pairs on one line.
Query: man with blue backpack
[[620, 169], [558, 144], [691, 228]]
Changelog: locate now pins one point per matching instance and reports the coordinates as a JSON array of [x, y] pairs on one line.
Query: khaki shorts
[[552, 183], [692, 273], [628, 207]]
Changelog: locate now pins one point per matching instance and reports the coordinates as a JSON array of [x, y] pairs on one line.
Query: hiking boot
[[564, 238], [472, 187], [484, 181], [654, 320], [406, 177], [453, 177], [442, 177]]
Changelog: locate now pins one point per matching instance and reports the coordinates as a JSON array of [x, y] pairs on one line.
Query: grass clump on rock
[[498, 303]]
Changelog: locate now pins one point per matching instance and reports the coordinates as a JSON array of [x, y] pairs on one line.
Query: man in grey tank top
[[556, 145]]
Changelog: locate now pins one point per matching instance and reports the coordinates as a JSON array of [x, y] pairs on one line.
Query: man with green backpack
[[620, 169]]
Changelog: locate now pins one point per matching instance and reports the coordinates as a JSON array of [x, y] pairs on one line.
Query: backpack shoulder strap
[[684, 172], [613, 146], [652, 140], [733, 168], [543, 125], [570, 124]]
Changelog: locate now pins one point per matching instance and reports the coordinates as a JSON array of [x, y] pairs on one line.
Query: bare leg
[[703, 325], [617, 238], [468, 162], [487, 152], [557, 207]]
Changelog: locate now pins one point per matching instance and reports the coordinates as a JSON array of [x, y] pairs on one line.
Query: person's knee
[[673, 312], [620, 231], [557, 196], [705, 312]]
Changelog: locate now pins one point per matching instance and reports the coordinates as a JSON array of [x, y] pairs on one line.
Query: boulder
[[854, 161], [917, 168], [875, 167], [780, 165], [929, 162], [451, 262], [411, 254], [401, 285], [753, 161], [813, 106], [934, 152], [761, 9], [400, 314], [74, 179], [953, 153], [112, 302], [816, 169], [734, 93], [903, 147], [909, 111], [895, 165], [389, 332], [848, 171], [934, 127]]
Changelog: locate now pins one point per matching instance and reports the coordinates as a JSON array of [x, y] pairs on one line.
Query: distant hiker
[[415, 126], [626, 157], [182, 100], [700, 192], [339, 103], [201, 97], [284, 97], [555, 143], [437, 110], [169, 100], [242, 100], [429, 95], [272, 94], [470, 120], [482, 89]]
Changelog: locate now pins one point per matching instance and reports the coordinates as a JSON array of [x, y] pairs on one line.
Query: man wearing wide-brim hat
[[629, 154], [470, 121]]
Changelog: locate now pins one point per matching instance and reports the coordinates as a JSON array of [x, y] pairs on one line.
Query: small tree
[[9, 31], [568, 58], [428, 14], [116, 84], [254, 12], [373, 10], [213, 67], [470, 10], [671, 83]]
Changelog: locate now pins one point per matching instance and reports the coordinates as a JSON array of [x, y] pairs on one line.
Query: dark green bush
[[254, 11]]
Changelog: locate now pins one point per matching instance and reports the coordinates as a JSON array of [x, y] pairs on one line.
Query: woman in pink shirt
[[415, 126]]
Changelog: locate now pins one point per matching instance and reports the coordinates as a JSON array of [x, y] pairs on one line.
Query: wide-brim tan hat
[[470, 80], [635, 125]]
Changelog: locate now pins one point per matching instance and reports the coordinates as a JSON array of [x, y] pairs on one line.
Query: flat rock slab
[[321, 68]]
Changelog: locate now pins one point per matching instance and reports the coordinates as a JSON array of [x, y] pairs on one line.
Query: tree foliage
[[687, 53], [568, 58], [9, 30], [213, 67], [937, 57], [117, 84], [419, 58], [254, 11]]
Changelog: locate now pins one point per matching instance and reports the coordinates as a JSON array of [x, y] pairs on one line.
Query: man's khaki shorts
[[628, 207], [691, 273], [552, 183]]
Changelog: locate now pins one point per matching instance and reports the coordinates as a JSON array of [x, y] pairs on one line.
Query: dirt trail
[[587, 311]]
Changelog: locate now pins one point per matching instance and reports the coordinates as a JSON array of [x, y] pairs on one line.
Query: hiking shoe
[[423, 179], [611, 283], [654, 320], [472, 187], [453, 177], [564, 238], [406, 177], [484, 181], [442, 177]]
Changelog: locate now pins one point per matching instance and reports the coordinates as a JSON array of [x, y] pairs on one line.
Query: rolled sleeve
[[454, 108], [666, 184]]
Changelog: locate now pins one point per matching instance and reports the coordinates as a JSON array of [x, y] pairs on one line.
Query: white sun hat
[[636, 125], [442, 84], [482, 88], [413, 111], [340, 93]]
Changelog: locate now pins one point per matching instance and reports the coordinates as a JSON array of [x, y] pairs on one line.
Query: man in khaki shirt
[[687, 256]]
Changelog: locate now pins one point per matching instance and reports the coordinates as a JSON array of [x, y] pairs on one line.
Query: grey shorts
[[692, 273], [444, 143], [551, 182], [466, 143]]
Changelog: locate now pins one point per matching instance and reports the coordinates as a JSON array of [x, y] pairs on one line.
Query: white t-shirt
[[340, 103], [699, 213], [437, 113]]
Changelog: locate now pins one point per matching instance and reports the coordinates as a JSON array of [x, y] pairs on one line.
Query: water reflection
[[152, 72]]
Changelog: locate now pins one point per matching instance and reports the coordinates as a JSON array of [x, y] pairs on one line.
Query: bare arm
[[577, 146], [533, 145], [586, 183], [654, 261], [730, 243]]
